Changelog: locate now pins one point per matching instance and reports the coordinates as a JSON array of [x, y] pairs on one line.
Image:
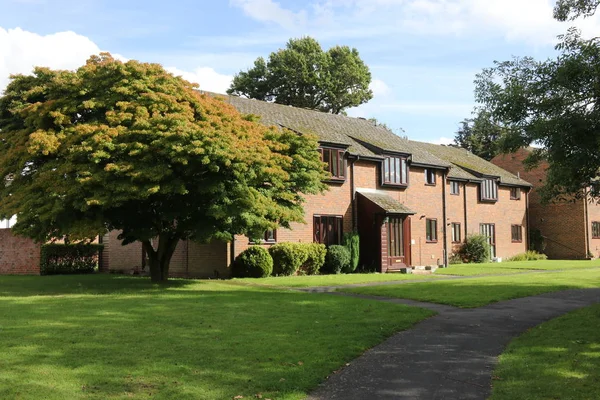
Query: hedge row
[[58, 258]]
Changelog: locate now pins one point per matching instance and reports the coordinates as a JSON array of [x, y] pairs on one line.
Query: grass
[[330, 280], [559, 359], [476, 292], [514, 267], [115, 337]]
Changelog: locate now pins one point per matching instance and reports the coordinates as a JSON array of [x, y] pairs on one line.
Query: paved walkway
[[449, 356]]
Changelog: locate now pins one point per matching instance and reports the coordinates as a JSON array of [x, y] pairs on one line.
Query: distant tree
[[130, 147], [480, 135], [303, 75]]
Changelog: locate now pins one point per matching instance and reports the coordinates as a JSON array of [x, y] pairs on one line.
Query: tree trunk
[[159, 259]]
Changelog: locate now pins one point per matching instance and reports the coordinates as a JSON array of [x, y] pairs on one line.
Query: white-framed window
[[489, 190], [8, 223]]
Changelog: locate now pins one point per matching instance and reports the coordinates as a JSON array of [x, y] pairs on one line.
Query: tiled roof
[[386, 203], [466, 165]]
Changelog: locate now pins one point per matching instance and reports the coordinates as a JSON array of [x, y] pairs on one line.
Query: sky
[[423, 54]]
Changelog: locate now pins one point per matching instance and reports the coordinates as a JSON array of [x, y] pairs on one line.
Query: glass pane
[[404, 171], [387, 170], [342, 170], [327, 159], [335, 164], [397, 171]]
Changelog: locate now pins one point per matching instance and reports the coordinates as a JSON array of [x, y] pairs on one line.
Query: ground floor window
[[328, 229], [516, 233], [489, 231], [431, 230], [595, 230], [456, 232]]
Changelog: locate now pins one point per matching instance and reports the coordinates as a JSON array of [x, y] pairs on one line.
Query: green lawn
[[330, 280], [516, 267], [559, 359], [476, 292], [115, 337]]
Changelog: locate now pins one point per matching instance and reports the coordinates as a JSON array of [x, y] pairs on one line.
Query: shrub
[[254, 262], [78, 258], [455, 259], [288, 258], [337, 259], [476, 249], [315, 258], [352, 243], [530, 255]]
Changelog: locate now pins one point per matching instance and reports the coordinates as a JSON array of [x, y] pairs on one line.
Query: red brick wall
[[563, 223], [18, 255]]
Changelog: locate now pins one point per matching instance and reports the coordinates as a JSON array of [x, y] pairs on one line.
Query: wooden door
[[398, 237]]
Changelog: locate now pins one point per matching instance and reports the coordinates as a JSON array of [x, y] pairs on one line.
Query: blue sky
[[423, 54]]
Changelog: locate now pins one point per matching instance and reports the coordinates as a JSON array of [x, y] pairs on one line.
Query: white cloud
[[379, 88], [270, 11], [208, 79], [442, 140]]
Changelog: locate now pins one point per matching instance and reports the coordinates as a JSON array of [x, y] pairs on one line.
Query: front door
[[398, 240], [489, 231]]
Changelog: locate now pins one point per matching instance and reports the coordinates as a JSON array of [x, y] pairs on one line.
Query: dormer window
[[334, 158], [489, 190], [395, 171]]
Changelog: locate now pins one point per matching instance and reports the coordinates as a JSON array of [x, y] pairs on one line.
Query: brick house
[[412, 203], [570, 229]]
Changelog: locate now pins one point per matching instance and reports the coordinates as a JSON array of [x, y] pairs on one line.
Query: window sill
[[431, 241], [516, 241], [263, 242], [454, 194], [430, 184], [595, 237], [459, 242], [395, 185], [338, 181], [488, 200]]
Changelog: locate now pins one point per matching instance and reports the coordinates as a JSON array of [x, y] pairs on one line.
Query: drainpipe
[[528, 240], [587, 224], [445, 237], [465, 208]]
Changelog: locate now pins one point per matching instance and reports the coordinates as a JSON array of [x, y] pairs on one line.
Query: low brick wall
[[18, 255]]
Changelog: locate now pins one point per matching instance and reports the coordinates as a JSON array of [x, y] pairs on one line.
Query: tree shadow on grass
[[193, 343]]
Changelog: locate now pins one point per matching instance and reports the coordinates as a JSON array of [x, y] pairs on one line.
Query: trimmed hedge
[[77, 258], [476, 249], [288, 258], [254, 262], [352, 243], [337, 259], [315, 258]]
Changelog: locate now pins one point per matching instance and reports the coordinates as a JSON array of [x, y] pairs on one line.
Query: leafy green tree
[[555, 103], [128, 146], [480, 135], [303, 75]]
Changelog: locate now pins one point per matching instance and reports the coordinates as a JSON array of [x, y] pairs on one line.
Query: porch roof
[[387, 203]]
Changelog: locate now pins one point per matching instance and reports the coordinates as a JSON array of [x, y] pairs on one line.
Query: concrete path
[[449, 356]]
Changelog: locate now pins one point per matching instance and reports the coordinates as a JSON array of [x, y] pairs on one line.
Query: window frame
[[456, 230], [452, 185], [596, 235], [398, 162], [339, 224], [266, 238], [517, 191], [431, 235], [486, 189], [519, 236], [341, 163], [430, 172], [8, 223]]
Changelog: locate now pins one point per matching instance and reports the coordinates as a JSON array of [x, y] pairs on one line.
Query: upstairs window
[[489, 190], [454, 188], [8, 223], [395, 171], [456, 232], [430, 176], [431, 230], [595, 230], [516, 232], [334, 158], [328, 229], [515, 193]]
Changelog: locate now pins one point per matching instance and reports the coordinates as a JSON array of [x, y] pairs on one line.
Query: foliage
[[315, 258], [287, 258], [136, 340], [78, 258], [536, 240], [529, 255], [337, 259], [455, 259], [305, 76], [572, 9], [128, 146], [352, 243], [480, 135], [254, 262], [475, 249]]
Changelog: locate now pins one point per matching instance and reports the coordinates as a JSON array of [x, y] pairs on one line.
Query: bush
[[455, 259], [78, 258], [254, 262], [315, 258], [288, 258], [352, 243], [530, 255], [337, 259], [476, 249]]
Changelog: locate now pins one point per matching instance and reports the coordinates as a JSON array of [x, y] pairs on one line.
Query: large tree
[[303, 75], [480, 135], [128, 146], [554, 103]]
